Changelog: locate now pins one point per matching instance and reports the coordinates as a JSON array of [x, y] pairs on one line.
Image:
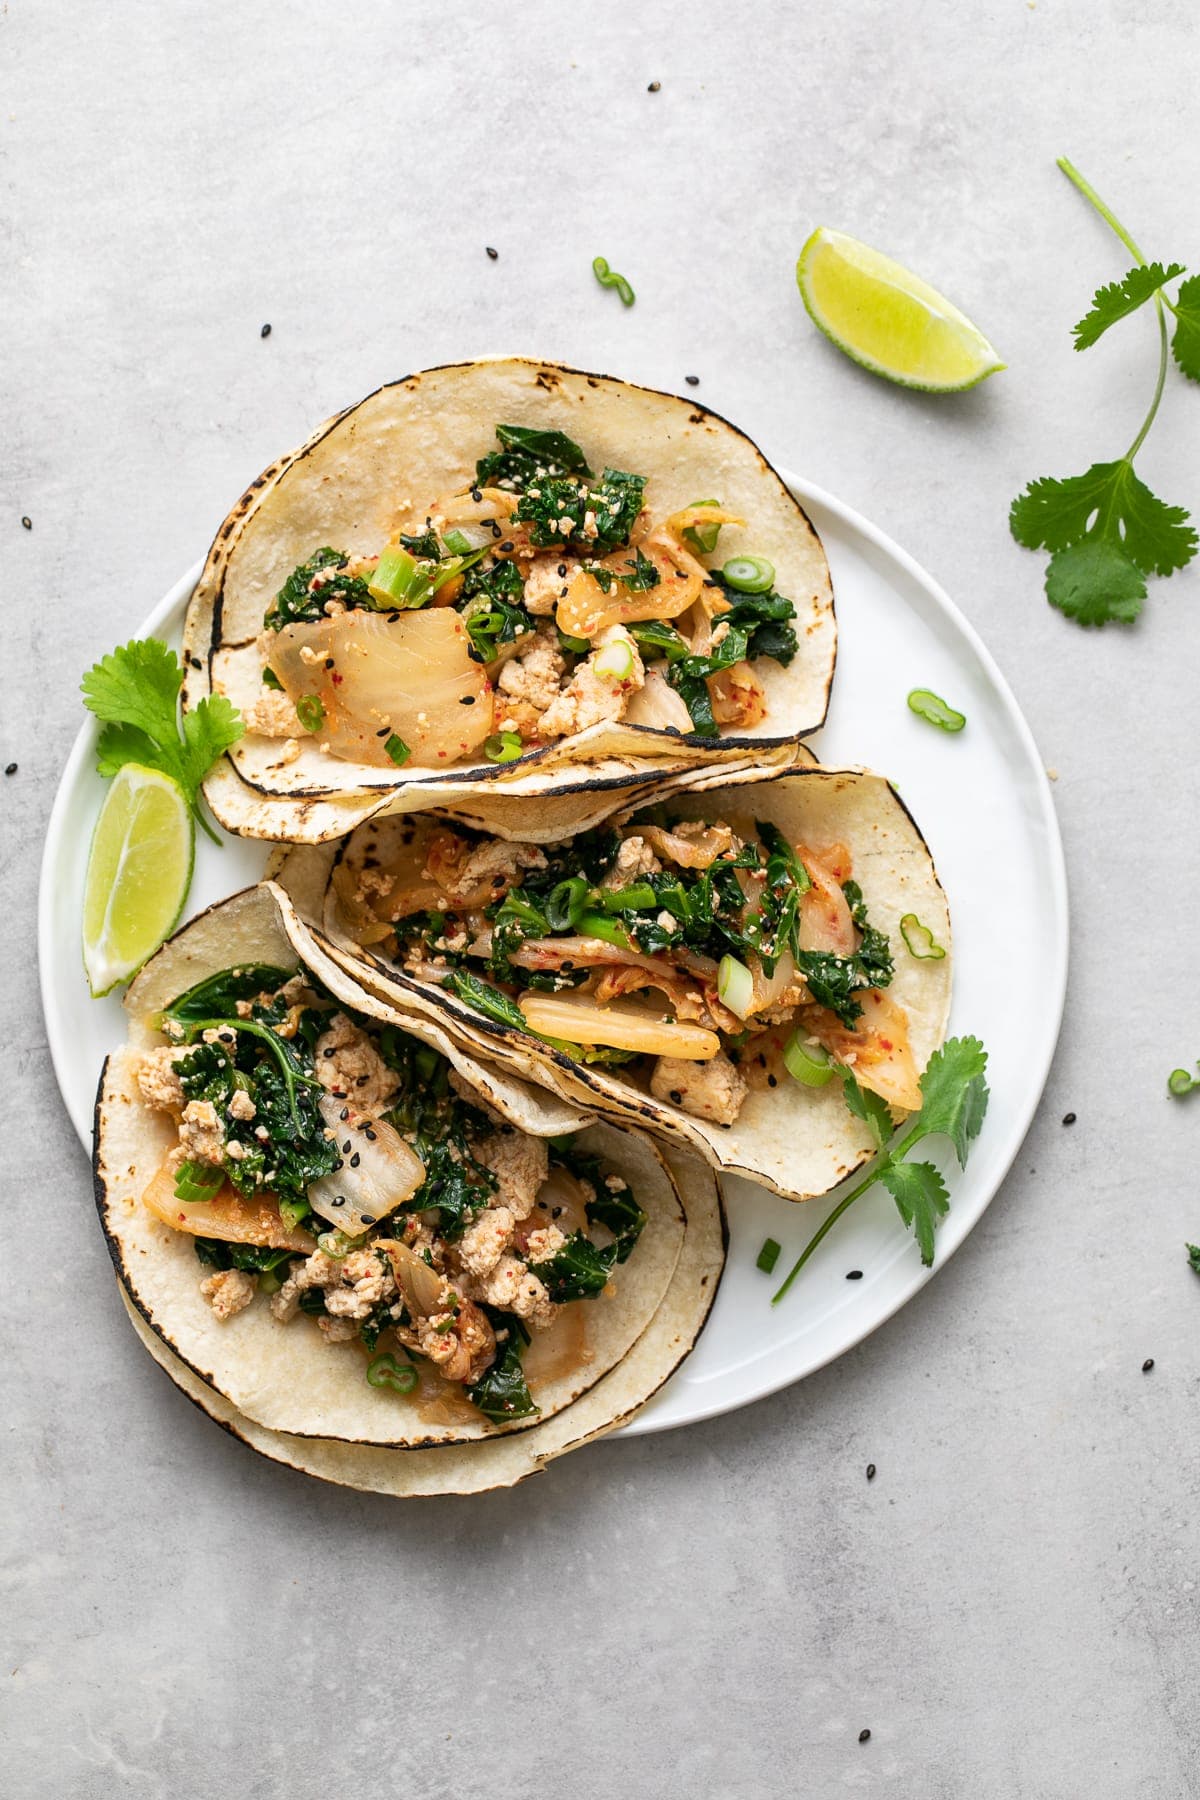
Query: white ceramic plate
[[983, 802]]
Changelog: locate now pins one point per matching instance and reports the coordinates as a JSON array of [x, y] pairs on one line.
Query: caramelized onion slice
[[825, 921], [380, 677], [585, 610], [656, 703], [581, 1021]]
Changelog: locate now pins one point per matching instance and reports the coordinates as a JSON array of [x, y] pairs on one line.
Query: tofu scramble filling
[[540, 602], [335, 1168], [694, 956]]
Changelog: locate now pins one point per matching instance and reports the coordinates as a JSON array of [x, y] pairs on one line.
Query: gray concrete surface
[[1010, 1606]]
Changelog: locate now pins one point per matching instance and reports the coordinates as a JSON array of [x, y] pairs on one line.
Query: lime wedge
[[887, 319], [139, 870]]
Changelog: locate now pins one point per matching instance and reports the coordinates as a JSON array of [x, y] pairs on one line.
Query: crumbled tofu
[[348, 1063], [158, 1079], [201, 1132], [589, 698], [520, 1165], [635, 858], [542, 1245], [515, 1289], [484, 1243], [272, 714], [708, 1090], [535, 674], [242, 1106], [496, 864], [544, 585], [229, 1291], [364, 1280]]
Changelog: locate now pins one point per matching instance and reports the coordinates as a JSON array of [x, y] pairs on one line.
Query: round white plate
[[983, 802]]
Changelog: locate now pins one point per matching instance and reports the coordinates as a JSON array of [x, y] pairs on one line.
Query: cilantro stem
[[1114, 224], [894, 1153]]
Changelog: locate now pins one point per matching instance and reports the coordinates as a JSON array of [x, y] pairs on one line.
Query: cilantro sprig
[[954, 1098], [1105, 529], [134, 691]]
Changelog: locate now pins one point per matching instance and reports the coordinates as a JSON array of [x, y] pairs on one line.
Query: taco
[[761, 970], [506, 1458], [349, 1229], [506, 578]]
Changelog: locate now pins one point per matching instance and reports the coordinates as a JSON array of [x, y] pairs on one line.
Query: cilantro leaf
[[1094, 583], [135, 692], [1109, 501], [921, 1197], [1185, 344], [1193, 1251], [1120, 298], [954, 1094]]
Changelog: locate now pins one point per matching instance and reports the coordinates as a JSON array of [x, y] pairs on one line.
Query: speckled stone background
[[1010, 1606]]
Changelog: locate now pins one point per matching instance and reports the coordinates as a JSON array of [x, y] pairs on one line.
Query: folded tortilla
[[419, 438], [505, 1460], [285, 1377], [797, 1140]]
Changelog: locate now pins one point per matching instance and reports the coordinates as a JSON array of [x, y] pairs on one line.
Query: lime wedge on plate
[[139, 870], [887, 319]]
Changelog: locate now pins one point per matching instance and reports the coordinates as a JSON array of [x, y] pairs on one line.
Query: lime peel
[[887, 319]]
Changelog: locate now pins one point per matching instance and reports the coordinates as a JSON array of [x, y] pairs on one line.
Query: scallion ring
[[196, 1182], [1179, 1082], [628, 899], [768, 1256], [934, 710], [919, 940], [504, 747], [735, 986], [310, 712], [384, 1371], [567, 903], [808, 1064], [615, 661], [397, 749], [749, 574]]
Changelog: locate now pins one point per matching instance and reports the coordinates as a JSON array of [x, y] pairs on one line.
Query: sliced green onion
[[768, 1256], [919, 940], [397, 749], [458, 542], [735, 986], [575, 645], [595, 925], [606, 277], [628, 899], [809, 1064], [310, 712], [565, 904], [749, 574], [293, 1212], [268, 1282], [615, 661], [425, 1062], [934, 710], [198, 1181], [384, 1371], [1179, 1082], [504, 748], [271, 680], [337, 1244], [399, 579], [702, 538]]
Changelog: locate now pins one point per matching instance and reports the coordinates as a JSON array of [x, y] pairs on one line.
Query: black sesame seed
[[346, 1148], [676, 1096], [1068, 1118], [368, 1218], [466, 700], [692, 380], [870, 1471], [26, 521], [329, 662], [492, 253], [562, 568], [556, 1212], [338, 1200], [864, 1735], [362, 1080], [853, 1274], [327, 1052], [1147, 1365], [368, 1133], [10, 769], [385, 731], [654, 87], [265, 332], [476, 494], [195, 662], [345, 1112], [772, 1081], [355, 1160]]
